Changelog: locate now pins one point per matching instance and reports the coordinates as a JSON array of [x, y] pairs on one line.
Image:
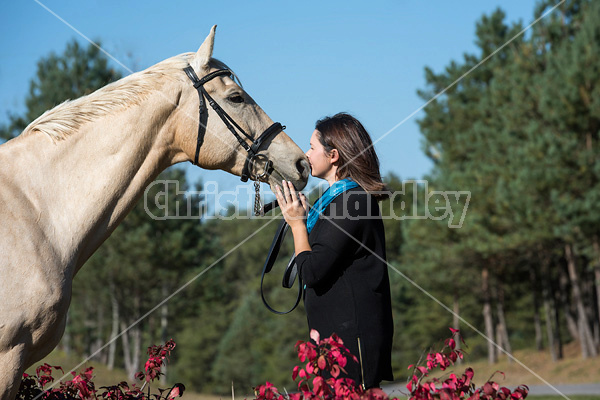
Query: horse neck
[[91, 180]]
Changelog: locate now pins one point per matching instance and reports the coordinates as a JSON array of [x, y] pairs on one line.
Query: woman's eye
[[236, 98]]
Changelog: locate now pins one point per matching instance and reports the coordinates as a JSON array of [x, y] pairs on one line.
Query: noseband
[[253, 157]]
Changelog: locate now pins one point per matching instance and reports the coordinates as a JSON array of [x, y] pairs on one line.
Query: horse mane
[[66, 118]]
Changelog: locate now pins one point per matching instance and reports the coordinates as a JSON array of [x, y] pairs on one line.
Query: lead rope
[[258, 211]]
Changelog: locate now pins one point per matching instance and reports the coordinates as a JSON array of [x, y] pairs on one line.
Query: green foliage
[[76, 72], [230, 324], [520, 132], [143, 262]]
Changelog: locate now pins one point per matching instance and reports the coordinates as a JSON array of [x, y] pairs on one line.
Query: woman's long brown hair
[[357, 157]]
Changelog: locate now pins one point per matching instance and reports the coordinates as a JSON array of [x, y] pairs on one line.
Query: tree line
[[519, 133]]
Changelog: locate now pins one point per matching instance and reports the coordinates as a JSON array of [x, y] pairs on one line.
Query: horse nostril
[[303, 168]]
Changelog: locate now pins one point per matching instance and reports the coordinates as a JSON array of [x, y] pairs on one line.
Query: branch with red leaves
[[81, 386], [331, 355], [327, 355]]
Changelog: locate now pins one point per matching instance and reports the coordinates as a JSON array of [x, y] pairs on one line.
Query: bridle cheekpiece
[[258, 162]]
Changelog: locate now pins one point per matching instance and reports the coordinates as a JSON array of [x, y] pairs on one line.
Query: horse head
[[225, 133]]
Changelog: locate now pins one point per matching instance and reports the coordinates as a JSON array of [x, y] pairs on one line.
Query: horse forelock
[[66, 118]]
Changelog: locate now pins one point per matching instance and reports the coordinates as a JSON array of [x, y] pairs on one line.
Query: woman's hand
[[293, 206]]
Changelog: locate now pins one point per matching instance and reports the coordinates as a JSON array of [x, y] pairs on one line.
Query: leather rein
[[291, 271]]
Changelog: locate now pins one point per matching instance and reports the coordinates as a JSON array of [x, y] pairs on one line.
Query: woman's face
[[318, 158]]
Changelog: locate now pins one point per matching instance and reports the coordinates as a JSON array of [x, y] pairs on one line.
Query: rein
[[253, 158], [291, 271]]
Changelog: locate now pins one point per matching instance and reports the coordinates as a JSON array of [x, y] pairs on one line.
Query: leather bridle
[[253, 158]]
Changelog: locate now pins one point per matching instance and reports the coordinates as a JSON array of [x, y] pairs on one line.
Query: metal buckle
[[260, 167]]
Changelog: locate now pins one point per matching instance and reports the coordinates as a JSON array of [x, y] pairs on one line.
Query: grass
[[538, 367]]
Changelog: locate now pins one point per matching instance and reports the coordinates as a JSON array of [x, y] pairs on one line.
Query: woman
[[340, 247]]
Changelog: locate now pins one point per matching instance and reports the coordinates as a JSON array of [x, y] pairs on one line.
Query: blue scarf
[[330, 194]]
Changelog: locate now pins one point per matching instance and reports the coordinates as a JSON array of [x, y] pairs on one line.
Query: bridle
[[253, 159]]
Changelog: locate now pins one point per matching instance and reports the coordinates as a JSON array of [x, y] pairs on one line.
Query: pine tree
[[76, 72]]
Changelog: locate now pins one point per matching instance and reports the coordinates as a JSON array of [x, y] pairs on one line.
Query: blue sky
[[299, 60]]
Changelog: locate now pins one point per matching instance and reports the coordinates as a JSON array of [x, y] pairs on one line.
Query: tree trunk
[[595, 323], [597, 276], [137, 331], [549, 328], [127, 352], [566, 306], [131, 349], [549, 309], [537, 324], [585, 335], [487, 316], [502, 328], [131, 342], [112, 347], [99, 335], [597, 287], [456, 320], [590, 306], [164, 323], [66, 339], [557, 332], [137, 343]]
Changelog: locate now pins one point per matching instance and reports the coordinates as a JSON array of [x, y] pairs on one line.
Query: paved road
[[399, 389], [583, 388]]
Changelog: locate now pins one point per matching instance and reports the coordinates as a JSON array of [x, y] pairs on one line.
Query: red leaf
[[176, 391], [335, 371], [439, 358], [309, 368], [488, 389], [445, 396], [469, 374], [318, 385], [322, 363], [314, 335]]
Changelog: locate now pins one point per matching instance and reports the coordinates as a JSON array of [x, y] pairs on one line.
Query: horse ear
[[204, 53]]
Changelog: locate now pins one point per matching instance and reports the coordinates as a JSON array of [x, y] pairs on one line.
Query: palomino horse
[[75, 172]]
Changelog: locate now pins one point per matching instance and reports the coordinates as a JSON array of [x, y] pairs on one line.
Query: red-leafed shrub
[[330, 355], [81, 386], [320, 374]]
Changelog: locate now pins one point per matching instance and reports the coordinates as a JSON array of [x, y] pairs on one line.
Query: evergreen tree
[[520, 132], [76, 72]]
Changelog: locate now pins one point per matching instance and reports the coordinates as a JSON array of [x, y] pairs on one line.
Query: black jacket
[[347, 284]]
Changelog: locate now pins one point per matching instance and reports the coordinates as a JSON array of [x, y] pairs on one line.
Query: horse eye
[[236, 98]]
